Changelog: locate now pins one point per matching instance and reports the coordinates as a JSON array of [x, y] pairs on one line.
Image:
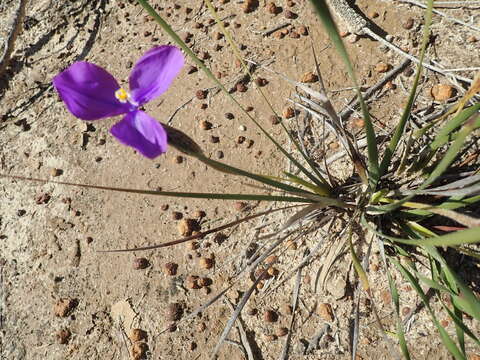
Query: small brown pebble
[[164, 207], [191, 282], [186, 226], [260, 285], [444, 323], [270, 316], [287, 309], [205, 125], [202, 106], [250, 108], [408, 24], [250, 143], [241, 87], [290, 14], [344, 34], [140, 263], [63, 307], [42, 198], [442, 92], [56, 172], [472, 39], [176, 215], [278, 35], [170, 269], [229, 116], [290, 3], [174, 312], [373, 14], [294, 35], [272, 8], [63, 336], [272, 259], [303, 30], [309, 77], [274, 119], [272, 271], [204, 282], [137, 335], [191, 69], [201, 94], [201, 327], [405, 311], [89, 239], [282, 331], [240, 205], [249, 6], [138, 350], [206, 263], [217, 35], [288, 112], [192, 346], [291, 245], [172, 327], [324, 310], [270, 337], [261, 82], [214, 139], [374, 267], [220, 154], [204, 55], [381, 67], [241, 139], [334, 145], [474, 357], [358, 123], [390, 85], [178, 159]]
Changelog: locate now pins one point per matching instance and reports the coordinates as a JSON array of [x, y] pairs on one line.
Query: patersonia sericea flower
[[91, 93]]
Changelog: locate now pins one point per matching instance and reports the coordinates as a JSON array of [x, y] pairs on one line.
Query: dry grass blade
[[295, 219], [296, 294], [243, 335], [235, 315]]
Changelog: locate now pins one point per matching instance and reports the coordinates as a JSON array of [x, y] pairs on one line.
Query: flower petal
[[88, 91], [142, 132], [154, 72]]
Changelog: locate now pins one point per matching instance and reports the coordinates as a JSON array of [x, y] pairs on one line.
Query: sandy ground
[[63, 299]]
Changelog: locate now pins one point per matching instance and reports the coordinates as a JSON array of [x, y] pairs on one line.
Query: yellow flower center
[[122, 95]]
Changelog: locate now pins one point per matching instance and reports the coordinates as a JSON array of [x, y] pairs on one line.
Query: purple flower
[[91, 93]]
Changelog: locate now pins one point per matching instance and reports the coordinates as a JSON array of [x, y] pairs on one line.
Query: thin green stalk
[[392, 146], [221, 196], [327, 20]]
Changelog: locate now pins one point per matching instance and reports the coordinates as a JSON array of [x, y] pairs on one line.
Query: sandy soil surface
[[63, 299]]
